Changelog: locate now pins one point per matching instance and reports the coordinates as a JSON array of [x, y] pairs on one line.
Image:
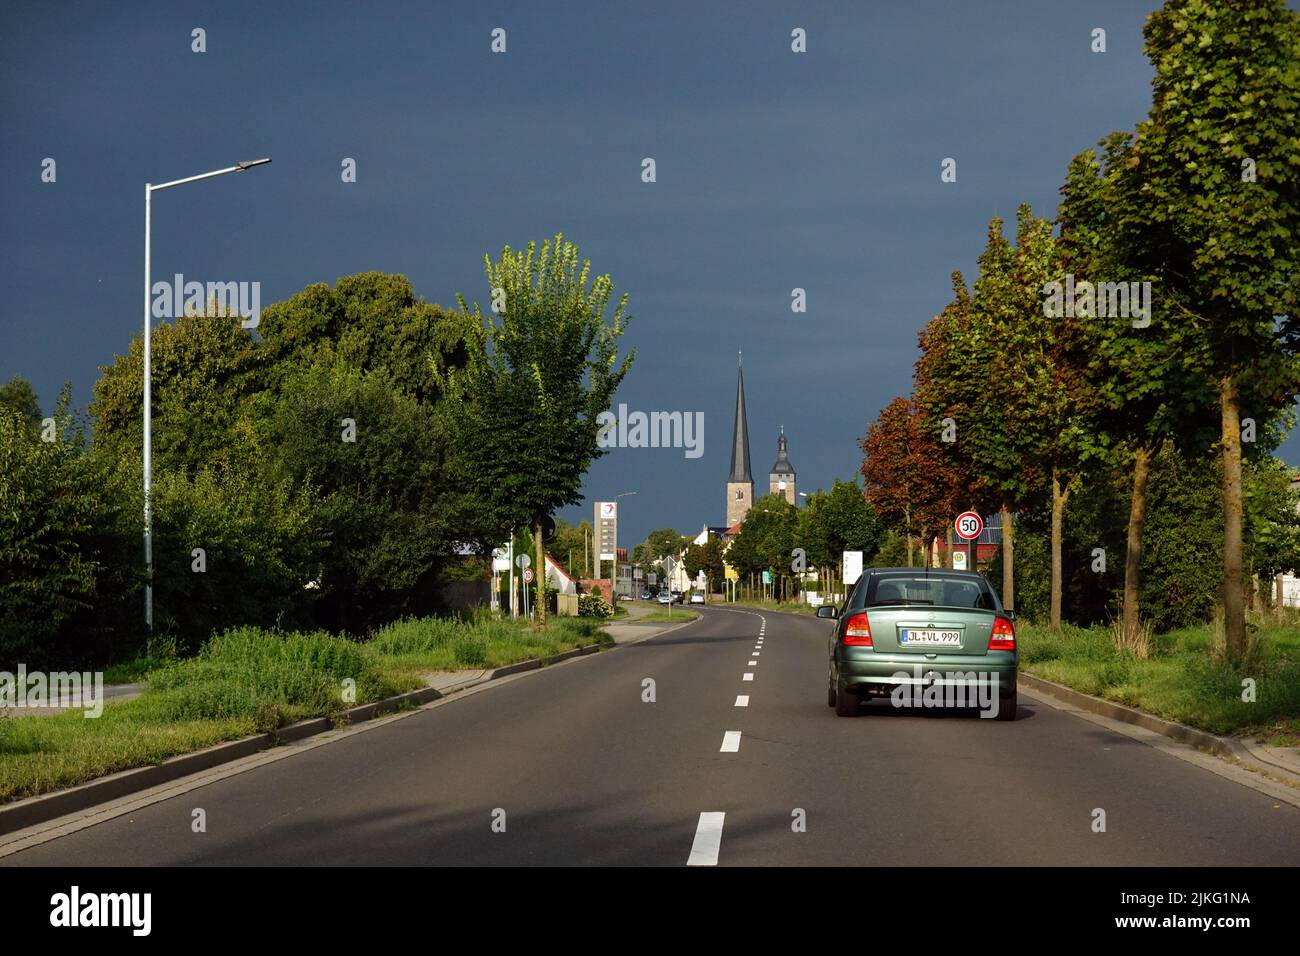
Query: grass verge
[[663, 617], [1185, 678], [249, 680]]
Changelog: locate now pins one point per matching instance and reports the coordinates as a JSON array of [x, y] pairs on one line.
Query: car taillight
[[857, 631], [1003, 637]]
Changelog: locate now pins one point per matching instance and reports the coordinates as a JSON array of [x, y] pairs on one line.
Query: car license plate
[[929, 637]]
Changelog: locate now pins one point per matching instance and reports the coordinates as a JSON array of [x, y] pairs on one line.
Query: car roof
[[945, 572]]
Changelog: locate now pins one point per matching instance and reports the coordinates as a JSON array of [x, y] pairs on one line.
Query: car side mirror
[[828, 610]]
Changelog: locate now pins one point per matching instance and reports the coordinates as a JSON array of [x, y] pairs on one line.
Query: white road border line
[[708, 839], [730, 742]]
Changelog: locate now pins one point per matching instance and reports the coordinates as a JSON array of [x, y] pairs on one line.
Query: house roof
[[559, 568]]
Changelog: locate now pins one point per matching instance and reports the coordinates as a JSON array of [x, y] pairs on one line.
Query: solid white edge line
[[708, 839]]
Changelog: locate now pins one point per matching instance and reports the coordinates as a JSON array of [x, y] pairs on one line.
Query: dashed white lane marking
[[756, 654], [730, 742], [753, 663], [708, 839], [747, 676], [742, 700]]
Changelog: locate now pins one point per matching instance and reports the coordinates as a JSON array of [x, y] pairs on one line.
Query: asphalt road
[[588, 773]]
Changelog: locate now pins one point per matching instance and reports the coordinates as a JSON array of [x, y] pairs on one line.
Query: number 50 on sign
[[968, 525]]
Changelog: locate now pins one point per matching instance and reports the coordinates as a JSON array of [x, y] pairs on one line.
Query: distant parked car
[[647, 596], [913, 628], [697, 598], [665, 597], [679, 597]]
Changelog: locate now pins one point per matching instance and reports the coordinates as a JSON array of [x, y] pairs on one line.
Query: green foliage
[[382, 498], [69, 547], [837, 521], [662, 543], [18, 396], [707, 557], [766, 538], [593, 605], [261, 545], [372, 322]]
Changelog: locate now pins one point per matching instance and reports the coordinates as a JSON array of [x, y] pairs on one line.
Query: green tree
[[1219, 214], [707, 557], [370, 321], [1148, 393], [376, 459], [18, 396], [70, 548], [766, 538], [523, 412]]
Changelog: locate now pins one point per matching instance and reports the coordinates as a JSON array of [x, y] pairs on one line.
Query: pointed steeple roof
[[782, 466], [740, 435]]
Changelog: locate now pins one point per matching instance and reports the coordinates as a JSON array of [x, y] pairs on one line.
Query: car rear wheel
[[846, 702], [1007, 707], [830, 694]]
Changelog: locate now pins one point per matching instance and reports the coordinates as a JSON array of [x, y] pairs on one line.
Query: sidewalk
[[115, 692], [628, 631]]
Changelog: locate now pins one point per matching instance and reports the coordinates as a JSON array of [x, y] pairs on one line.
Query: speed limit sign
[[528, 575], [968, 525]]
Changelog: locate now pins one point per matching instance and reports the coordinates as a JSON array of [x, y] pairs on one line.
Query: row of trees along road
[[1012, 406], [322, 473]]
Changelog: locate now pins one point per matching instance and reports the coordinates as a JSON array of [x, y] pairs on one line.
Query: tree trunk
[[541, 575], [1234, 612], [1008, 560], [1137, 512], [1278, 602], [1059, 499]]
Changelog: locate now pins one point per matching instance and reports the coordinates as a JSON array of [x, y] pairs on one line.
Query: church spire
[[740, 434]]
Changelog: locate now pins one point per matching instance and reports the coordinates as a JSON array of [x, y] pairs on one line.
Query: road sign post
[[969, 526]]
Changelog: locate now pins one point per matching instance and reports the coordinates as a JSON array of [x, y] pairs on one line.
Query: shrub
[[593, 605]]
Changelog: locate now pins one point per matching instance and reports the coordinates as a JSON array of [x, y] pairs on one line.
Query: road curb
[[48, 806], [1200, 739]]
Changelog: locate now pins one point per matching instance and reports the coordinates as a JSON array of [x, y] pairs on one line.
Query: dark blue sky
[[775, 170]]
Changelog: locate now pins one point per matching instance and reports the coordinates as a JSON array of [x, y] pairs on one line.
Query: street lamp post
[[149, 190]]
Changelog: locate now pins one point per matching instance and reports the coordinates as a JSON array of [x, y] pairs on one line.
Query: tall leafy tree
[[1041, 372], [1137, 371], [1219, 213], [901, 458], [541, 368]]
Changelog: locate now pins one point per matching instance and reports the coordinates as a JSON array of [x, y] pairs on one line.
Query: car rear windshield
[[920, 588]]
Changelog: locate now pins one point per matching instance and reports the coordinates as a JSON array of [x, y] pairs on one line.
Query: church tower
[[781, 478], [740, 483]]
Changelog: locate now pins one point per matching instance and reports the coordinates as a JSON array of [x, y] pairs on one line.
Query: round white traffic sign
[[968, 525], [528, 575], [523, 560]]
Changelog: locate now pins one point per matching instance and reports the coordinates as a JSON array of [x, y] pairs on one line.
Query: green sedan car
[[924, 638]]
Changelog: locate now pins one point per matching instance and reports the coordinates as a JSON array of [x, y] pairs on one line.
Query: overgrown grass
[[248, 680], [1186, 677]]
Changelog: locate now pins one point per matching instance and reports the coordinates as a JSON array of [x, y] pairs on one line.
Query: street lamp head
[[249, 164]]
